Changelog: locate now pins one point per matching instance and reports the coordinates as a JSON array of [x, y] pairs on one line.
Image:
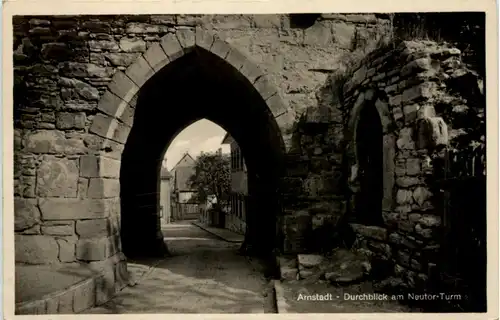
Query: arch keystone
[[156, 57], [203, 39], [122, 86], [140, 71], [171, 46], [186, 38]]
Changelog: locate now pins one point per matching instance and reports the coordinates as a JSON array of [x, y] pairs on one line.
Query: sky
[[202, 135]]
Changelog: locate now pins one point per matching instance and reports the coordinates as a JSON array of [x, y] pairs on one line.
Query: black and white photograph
[[266, 163]]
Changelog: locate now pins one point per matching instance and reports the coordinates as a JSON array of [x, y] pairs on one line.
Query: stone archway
[[370, 132], [189, 75]]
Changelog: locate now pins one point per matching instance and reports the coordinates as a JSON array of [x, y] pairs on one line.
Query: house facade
[[165, 194], [238, 201], [181, 204]]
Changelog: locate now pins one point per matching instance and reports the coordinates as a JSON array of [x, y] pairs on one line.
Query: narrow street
[[204, 275]]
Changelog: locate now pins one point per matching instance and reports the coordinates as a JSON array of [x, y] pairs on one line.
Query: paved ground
[[204, 275]]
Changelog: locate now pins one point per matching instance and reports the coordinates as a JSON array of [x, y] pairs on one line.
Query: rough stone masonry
[[76, 79]]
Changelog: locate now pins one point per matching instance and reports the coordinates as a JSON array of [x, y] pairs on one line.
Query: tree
[[212, 176]]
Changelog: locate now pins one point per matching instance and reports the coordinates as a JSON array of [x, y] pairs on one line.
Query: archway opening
[[199, 85], [369, 149]]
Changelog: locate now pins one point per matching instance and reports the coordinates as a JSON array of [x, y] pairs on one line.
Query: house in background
[[165, 194], [238, 202], [182, 205], [181, 173]]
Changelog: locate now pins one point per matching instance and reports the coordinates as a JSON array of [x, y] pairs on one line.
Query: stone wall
[[66, 175], [419, 94]]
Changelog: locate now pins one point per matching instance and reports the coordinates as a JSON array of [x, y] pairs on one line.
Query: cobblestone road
[[204, 275]]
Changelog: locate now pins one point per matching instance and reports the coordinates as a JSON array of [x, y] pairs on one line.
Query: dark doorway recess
[[196, 86], [369, 148]]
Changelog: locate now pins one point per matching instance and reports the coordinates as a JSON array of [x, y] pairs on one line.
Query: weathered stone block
[[167, 19], [421, 195], [96, 249], [236, 58], [156, 57], [309, 260], [422, 91], [373, 232], [99, 45], [432, 132], [26, 214], [382, 249], [140, 71], [186, 38], [122, 276], [343, 34], [84, 296], [52, 142], [72, 209], [37, 307], [103, 188], [121, 59], [132, 44], [358, 77], [105, 286], [404, 197], [288, 273], [220, 48], [103, 125], [410, 113], [35, 249], [83, 89], [171, 47], [405, 141], [320, 34], [65, 302], [120, 132], [110, 104], [57, 178], [430, 221], [406, 182], [67, 249], [99, 166], [123, 87], [143, 28], [264, 87], [67, 120], [82, 70], [416, 66], [413, 167], [94, 228], [203, 38], [58, 230]]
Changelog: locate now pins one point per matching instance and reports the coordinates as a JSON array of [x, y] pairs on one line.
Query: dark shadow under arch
[[195, 86]]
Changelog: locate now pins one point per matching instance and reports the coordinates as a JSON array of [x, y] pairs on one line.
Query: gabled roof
[[186, 156], [227, 139]]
